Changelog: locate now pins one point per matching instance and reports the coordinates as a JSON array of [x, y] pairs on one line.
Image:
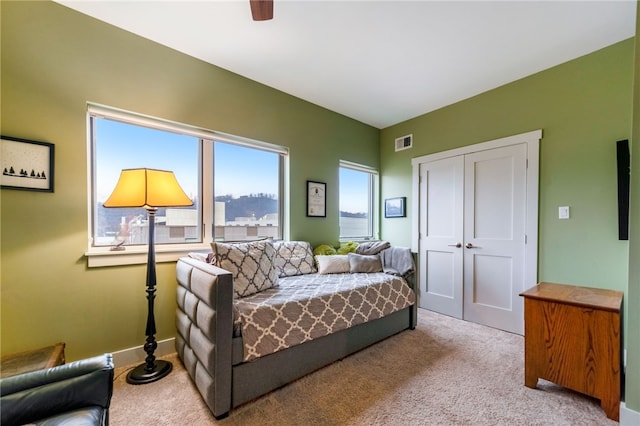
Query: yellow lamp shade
[[149, 188]]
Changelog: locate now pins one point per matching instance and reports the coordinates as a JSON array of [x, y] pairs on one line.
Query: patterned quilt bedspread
[[305, 307]]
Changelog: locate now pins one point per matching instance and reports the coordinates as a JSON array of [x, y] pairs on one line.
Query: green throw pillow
[[348, 247], [324, 250]]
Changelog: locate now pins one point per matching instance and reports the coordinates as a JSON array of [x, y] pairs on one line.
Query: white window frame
[[137, 254], [374, 201]]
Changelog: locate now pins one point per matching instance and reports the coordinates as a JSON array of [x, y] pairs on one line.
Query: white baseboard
[[628, 417], [137, 354]]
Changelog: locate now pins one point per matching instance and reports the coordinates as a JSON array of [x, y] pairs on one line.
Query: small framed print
[[316, 199], [26, 164], [395, 207]]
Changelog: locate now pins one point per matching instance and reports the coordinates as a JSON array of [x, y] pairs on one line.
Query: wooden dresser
[[573, 337]]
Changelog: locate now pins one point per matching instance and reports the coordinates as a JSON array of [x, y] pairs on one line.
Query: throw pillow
[[293, 258], [199, 256], [333, 264], [324, 250], [250, 263], [372, 247], [346, 248], [364, 263]]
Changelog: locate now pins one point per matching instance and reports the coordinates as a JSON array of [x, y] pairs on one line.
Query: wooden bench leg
[[611, 407], [530, 379]]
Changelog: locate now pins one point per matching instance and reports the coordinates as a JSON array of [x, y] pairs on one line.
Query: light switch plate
[[563, 212]]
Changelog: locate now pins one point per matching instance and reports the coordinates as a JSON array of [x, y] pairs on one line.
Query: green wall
[[54, 61], [583, 107]]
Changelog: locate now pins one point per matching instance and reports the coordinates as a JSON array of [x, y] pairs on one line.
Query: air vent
[[404, 142]]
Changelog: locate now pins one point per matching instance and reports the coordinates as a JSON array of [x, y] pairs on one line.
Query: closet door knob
[[469, 245], [457, 245]]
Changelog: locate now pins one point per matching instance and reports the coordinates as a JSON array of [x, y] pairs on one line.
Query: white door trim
[[532, 141]]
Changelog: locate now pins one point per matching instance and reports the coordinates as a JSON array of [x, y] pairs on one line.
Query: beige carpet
[[446, 372]]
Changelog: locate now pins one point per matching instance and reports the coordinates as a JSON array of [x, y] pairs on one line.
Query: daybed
[[272, 316]]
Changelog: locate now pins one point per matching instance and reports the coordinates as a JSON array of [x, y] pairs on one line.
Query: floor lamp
[[149, 188]]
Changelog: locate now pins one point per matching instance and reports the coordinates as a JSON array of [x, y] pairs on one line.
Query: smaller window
[[357, 199]]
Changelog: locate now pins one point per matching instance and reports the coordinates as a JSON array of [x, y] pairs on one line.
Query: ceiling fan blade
[[261, 10]]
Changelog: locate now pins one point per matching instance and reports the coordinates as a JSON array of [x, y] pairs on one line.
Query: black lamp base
[[140, 375]]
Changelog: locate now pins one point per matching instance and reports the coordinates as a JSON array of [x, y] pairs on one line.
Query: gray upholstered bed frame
[[213, 357]]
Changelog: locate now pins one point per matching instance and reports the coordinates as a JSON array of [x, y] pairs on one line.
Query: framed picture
[[395, 207], [26, 164], [316, 199]]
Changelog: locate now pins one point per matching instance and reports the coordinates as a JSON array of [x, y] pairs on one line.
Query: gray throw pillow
[[372, 247], [293, 258], [364, 263], [250, 263]]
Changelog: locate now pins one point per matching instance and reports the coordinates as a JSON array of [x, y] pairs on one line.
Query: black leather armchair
[[75, 393]]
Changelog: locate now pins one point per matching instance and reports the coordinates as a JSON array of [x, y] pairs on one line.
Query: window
[[235, 184], [357, 199], [246, 193], [118, 145]]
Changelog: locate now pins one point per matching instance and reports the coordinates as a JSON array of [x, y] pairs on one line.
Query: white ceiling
[[380, 62]]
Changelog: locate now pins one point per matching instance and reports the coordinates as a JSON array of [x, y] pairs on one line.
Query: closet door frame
[[532, 141]]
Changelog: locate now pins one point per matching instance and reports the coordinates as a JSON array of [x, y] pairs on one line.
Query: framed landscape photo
[[395, 207], [26, 164], [316, 199]]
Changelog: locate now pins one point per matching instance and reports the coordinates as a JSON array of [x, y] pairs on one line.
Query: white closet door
[[441, 210], [494, 237], [484, 196]]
